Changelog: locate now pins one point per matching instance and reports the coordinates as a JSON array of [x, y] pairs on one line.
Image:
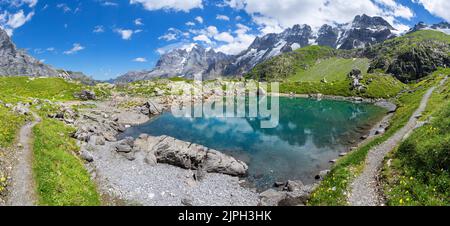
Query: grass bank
[[417, 172], [60, 176], [333, 190]]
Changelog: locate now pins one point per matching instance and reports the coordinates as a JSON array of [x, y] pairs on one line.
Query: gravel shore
[[137, 183]]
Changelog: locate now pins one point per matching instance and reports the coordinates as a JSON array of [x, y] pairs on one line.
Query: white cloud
[[11, 21], [172, 34], [138, 22], [275, 15], [199, 19], [19, 3], [109, 3], [65, 8], [224, 37], [176, 5], [75, 49], [190, 23], [440, 8], [126, 34], [18, 19], [140, 60], [202, 38], [98, 29], [222, 17]]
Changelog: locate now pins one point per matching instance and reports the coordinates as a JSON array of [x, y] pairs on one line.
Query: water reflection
[[309, 134]]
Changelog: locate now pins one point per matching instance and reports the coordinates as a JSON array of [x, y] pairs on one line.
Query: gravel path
[[22, 187], [364, 191]]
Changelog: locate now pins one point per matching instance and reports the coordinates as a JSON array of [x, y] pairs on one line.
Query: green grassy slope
[[59, 173], [332, 69], [334, 188], [286, 65]]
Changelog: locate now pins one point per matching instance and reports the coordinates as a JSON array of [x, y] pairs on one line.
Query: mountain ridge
[[15, 62], [362, 31]]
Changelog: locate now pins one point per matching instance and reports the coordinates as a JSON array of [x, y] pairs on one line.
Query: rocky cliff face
[[14, 62], [412, 56]]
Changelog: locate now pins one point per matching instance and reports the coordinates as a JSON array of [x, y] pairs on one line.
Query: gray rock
[[295, 198], [187, 201], [380, 131], [190, 156], [150, 159], [14, 62], [86, 155], [293, 185], [271, 197], [86, 95], [123, 148], [322, 174]]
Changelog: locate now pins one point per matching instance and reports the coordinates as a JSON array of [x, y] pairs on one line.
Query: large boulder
[[189, 156]]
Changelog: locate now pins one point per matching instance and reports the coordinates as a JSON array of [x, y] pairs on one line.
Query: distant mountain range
[[199, 62]]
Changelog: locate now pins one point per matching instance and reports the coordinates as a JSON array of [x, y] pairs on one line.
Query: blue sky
[[106, 38]]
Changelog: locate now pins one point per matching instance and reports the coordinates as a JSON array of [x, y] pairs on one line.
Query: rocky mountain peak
[[364, 22], [15, 62]]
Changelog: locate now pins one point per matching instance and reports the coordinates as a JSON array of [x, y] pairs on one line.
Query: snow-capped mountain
[[364, 30], [442, 27], [193, 61], [196, 61], [271, 45]]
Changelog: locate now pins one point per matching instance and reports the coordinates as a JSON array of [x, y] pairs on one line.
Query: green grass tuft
[[60, 176]]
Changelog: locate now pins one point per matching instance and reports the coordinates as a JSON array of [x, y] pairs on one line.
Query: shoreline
[[239, 185]]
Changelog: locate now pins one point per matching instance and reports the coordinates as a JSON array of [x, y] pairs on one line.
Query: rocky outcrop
[[356, 77], [14, 62], [86, 95], [407, 60], [293, 193], [187, 155]]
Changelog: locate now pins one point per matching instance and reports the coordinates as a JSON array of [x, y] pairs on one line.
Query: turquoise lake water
[[310, 133]]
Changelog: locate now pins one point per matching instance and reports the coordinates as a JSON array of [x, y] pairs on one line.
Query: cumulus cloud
[[222, 17], [75, 49], [274, 15], [138, 22], [98, 29], [140, 60], [11, 21], [199, 19], [173, 34], [239, 42], [126, 34], [202, 38], [440, 8], [176, 5]]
